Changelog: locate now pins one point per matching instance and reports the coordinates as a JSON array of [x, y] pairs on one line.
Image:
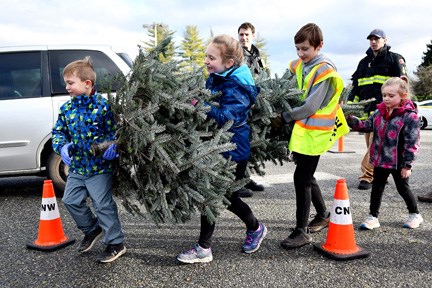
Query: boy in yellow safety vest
[[318, 122]]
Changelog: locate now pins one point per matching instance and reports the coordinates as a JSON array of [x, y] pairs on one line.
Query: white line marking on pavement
[[269, 180]]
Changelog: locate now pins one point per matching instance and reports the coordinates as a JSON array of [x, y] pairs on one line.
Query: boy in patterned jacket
[[84, 121]]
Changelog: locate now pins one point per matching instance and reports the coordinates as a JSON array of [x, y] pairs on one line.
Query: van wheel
[[423, 122], [57, 171]]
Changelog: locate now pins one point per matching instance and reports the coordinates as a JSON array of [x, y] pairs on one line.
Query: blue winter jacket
[[83, 121], [238, 94]]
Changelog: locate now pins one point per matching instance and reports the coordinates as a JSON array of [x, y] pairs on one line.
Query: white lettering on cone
[[341, 212], [49, 210]]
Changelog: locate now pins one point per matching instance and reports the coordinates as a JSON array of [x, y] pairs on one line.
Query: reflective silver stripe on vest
[[318, 122]]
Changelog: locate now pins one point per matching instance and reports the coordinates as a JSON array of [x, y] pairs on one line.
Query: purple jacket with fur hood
[[396, 139]]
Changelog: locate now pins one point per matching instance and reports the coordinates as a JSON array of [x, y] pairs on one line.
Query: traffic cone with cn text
[[340, 243], [50, 236]]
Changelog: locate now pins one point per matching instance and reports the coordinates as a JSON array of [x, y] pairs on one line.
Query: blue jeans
[[99, 188]]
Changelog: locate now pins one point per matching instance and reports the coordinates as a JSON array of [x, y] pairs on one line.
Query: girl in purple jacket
[[396, 135]]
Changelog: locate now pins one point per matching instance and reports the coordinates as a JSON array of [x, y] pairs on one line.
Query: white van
[[31, 92]]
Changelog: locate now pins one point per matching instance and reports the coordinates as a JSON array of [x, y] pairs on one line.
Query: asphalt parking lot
[[399, 257]]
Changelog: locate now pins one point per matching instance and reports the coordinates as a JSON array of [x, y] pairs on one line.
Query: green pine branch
[[170, 164], [277, 95]]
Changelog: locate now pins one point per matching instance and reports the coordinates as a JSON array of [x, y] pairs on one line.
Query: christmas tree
[[276, 96], [170, 165], [350, 107]]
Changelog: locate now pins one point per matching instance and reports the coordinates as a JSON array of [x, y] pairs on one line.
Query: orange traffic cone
[[341, 147], [340, 243], [50, 236]]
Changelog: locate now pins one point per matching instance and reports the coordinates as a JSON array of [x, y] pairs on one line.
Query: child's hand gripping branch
[[111, 152], [64, 153]]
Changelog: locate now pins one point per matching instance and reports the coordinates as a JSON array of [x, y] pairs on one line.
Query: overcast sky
[[119, 23]]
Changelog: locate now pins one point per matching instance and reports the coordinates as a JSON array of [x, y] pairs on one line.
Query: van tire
[[423, 123], [57, 171]]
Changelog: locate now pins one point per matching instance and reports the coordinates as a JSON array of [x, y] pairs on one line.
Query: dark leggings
[[238, 207], [402, 186], [307, 189]]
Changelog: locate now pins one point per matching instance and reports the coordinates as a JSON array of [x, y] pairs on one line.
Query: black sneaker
[[90, 239], [425, 197], [111, 253], [296, 239], [252, 185], [364, 185], [318, 223], [243, 192]]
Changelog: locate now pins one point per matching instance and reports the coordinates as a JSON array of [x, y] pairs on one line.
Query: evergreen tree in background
[[192, 49], [427, 56], [159, 32], [423, 86], [211, 36], [260, 43]]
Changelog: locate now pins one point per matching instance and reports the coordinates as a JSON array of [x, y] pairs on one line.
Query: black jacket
[[253, 60], [387, 64]]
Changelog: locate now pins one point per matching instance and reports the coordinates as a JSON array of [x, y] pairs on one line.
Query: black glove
[[277, 122], [280, 130], [351, 120]]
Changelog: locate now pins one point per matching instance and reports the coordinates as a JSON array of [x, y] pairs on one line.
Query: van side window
[[20, 75], [105, 68]]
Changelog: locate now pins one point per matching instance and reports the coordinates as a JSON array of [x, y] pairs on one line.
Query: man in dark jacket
[[251, 57], [372, 71], [246, 35]]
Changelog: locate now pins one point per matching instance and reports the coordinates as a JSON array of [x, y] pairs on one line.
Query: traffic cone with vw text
[[340, 243], [50, 236]]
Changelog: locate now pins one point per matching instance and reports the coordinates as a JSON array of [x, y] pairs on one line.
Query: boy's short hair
[[83, 69], [247, 25], [310, 32]]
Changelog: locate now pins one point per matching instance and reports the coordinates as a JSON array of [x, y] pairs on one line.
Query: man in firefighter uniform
[[372, 71]]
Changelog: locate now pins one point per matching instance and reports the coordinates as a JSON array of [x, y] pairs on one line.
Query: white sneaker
[[370, 223], [196, 255], [414, 221]]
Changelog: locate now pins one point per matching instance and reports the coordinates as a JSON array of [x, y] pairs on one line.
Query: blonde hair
[[403, 84], [230, 48], [83, 69]]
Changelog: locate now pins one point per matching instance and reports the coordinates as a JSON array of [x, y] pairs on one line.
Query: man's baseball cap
[[377, 33]]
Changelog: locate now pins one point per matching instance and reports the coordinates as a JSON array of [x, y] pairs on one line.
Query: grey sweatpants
[[99, 188]]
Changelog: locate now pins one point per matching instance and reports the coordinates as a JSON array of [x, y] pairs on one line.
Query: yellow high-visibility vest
[[316, 134]]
